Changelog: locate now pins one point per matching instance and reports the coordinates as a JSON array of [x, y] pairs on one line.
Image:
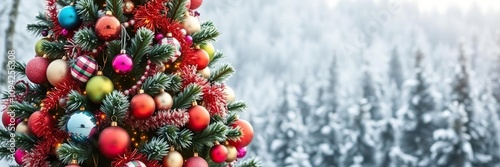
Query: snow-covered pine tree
[[416, 118], [396, 75], [371, 94]]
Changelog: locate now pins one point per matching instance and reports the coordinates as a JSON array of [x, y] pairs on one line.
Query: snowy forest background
[[350, 83]]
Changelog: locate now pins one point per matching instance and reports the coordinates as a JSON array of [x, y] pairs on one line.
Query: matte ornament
[[242, 152], [18, 156], [164, 101], [68, 18], [209, 48], [113, 142], [122, 64], [83, 68], [229, 94], [246, 130], [98, 87], [205, 73], [8, 119], [56, 71], [191, 24], [195, 4], [135, 163], [195, 162], [173, 159], [202, 59], [48, 120], [22, 127], [108, 27], [38, 47], [232, 153], [142, 106], [218, 153], [199, 118], [36, 70], [81, 125]]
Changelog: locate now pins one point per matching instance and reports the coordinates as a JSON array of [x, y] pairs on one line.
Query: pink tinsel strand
[[176, 118]]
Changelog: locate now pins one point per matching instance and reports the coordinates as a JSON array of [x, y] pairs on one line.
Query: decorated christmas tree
[[123, 83]]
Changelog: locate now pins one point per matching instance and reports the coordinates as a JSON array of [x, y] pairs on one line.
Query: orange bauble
[[199, 118], [202, 59], [108, 27], [47, 121], [113, 142], [246, 130], [142, 106]]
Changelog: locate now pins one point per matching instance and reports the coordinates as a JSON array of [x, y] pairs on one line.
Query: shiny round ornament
[[113, 142], [229, 94], [108, 27], [73, 163], [241, 152], [135, 163], [38, 47], [22, 127], [57, 70], [68, 18], [36, 70], [48, 121], [83, 67], [218, 153], [205, 73], [232, 153], [142, 106], [173, 159], [122, 64], [8, 119], [98, 87], [202, 59], [247, 131], [195, 4], [18, 156], [191, 24], [199, 118], [164, 101], [81, 125], [209, 48], [128, 6], [195, 162]]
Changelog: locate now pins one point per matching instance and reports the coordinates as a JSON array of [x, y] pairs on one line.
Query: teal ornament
[[81, 125], [68, 18]]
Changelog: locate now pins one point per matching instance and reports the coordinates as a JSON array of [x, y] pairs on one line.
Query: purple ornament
[[122, 64], [242, 152], [188, 38], [18, 156], [45, 33], [159, 36], [196, 14], [64, 32]]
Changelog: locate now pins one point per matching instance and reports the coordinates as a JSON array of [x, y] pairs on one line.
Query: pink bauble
[[195, 162], [218, 153], [242, 152], [18, 156], [122, 64], [36, 70]]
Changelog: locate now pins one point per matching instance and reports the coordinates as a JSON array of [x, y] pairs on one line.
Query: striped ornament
[[134, 163], [83, 67]]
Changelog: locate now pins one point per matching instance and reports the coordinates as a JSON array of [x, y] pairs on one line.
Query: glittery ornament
[[36, 70]]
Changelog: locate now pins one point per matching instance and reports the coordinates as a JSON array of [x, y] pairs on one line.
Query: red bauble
[[246, 130], [47, 121], [202, 59], [195, 4], [199, 118], [195, 162], [218, 153], [142, 106], [113, 142], [188, 4], [36, 70], [6, 119]]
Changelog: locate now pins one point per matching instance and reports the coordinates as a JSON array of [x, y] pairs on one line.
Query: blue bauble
[[81, 125], [68, 18]]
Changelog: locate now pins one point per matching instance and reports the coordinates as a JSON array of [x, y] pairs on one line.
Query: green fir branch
[[169, 83], [250, 163], [161, 53], [35, 92], [6, 154], [222, 73], [116, 6], [234, 134], [237, 106], [75, 101], [71, 150], [179, 139], [20, 68], [86, 39], [155, 149], [63, 121], [185, 98], [217, 57], [22, 109], [140, 45], [177, 10], [25, 141], [43, 23], [208, 33], [214, 132], [54, 50], [115, 104], [231, 117], [87, 10], [64, 2]]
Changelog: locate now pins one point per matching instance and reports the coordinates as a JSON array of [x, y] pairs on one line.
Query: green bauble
[[38, 47], [209, 48], [98, 87]]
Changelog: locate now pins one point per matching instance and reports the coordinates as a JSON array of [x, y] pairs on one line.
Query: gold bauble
[[98, 87], [173, 159], [229, 94], [128, 6], [56, 71], [22, 127], [164, 101], [191, 25], [205, 73], [232, 153]]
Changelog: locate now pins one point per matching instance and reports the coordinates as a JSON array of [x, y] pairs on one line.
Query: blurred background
[[350, 83]]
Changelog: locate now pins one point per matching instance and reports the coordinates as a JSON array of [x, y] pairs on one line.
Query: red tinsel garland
[[52, 15], [38, 155], [134, 155], [176, 118], [150, 15]]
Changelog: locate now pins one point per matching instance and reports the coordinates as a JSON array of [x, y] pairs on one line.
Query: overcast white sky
[[442, 5]]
